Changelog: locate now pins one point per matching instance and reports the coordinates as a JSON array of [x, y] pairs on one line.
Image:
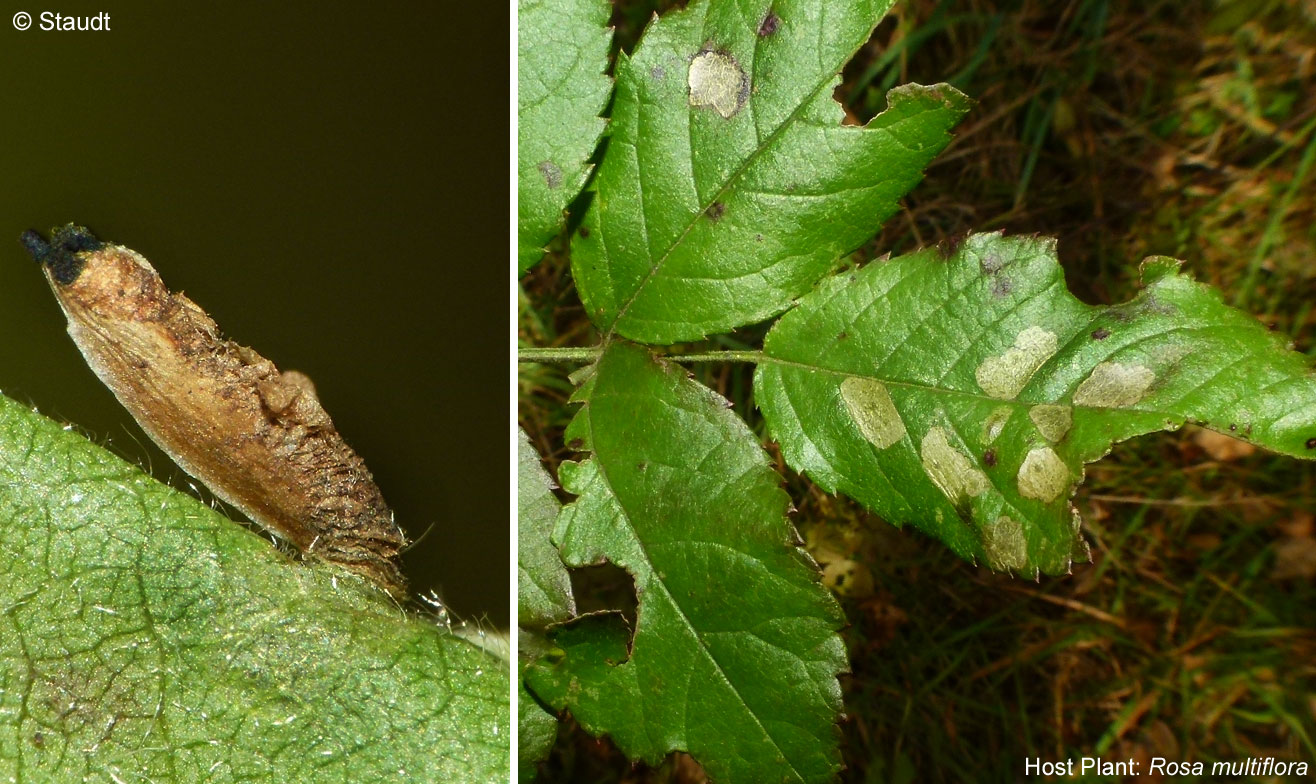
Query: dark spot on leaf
[[950, 246], [715, 211], [1100, 333], [641, 466], [991, 263], [38, 740], [1002, 286], [575, 443], [1311, 443], [584, 231], [1232, 427], [769, 25], [1247, 431], [758, 237], [989, 458], [551, 173], [657, 73], [842, 335]]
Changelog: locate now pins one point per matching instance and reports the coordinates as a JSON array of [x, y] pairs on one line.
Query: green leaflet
[[148, 638], [562, 52], [536, 727], [543, 588], [965, 394], [543, 591], [729, 185], [735, 654]]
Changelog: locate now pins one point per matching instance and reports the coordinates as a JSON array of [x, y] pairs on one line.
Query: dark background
[[330, 183]]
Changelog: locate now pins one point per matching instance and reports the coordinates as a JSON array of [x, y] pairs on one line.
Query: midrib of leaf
[[762, 147], [685, 619]]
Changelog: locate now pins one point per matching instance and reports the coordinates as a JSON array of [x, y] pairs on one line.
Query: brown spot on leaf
[[989, 458], [1002, 286], [991, 263], [551, 173], [769, 25], [584, 231], [1311, 443], [576, 443], [715, 211], [1100, 333]]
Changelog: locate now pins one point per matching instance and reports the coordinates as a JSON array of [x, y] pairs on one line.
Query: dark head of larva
[[60, 255]]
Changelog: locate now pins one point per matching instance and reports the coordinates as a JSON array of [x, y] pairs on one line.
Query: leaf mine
[[1043, 475], [1018, 426], [1114, 385], [873, 411], [996, 423], [1004, 544], [1052, 421], [717, 80], [949, 468], [1004, 376]]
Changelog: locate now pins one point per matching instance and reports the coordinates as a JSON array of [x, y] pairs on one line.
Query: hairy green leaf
[[561, 54], [729, 185], [965, 394], [148, 638], [735, 652], [543, 595]]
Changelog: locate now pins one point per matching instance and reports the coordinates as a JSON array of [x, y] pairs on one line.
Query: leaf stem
[[591, 353]]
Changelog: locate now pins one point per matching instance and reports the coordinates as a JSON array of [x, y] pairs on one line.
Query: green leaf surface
[[543, 596], [147, 638], [562, 52], [543, 588], [536, 727], [729, 185], [735, 652], [965, 394]]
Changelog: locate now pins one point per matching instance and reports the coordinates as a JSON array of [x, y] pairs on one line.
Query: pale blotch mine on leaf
[[1043, 475], [1004, 544], [1004, 376], [1052, 422], [996, 422], [873, 411], [1114, 385], [949, 468], [717, 80]]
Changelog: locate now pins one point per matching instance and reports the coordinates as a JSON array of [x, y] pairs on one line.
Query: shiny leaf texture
[[729, 185], [147, 638], [562, 52], [964, 394], [735, 653]]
